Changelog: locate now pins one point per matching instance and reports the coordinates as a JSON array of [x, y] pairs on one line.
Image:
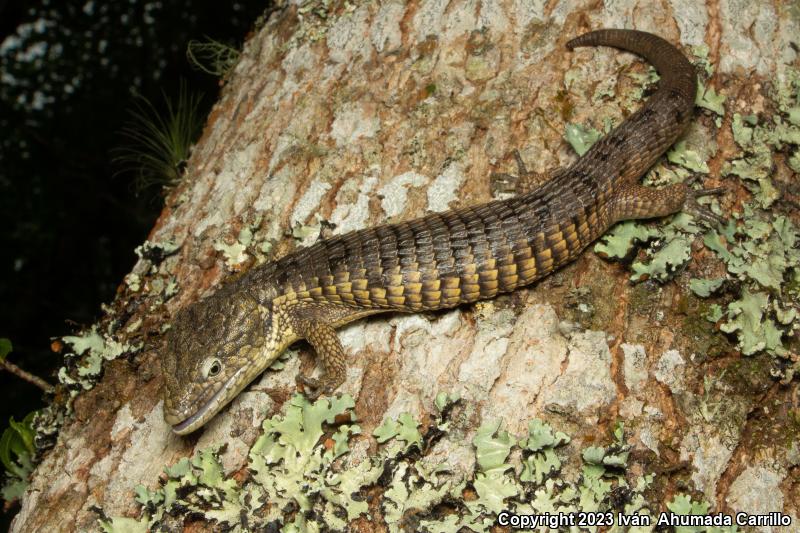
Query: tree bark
[[381, 112]]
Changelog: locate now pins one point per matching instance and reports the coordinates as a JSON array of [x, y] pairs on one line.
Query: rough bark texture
[[387, 111]]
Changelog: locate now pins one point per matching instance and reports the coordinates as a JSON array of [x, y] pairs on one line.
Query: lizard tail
[[677, 74], [646, 134]]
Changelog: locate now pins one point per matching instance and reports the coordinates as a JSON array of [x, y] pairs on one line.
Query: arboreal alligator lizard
[[218, 345]]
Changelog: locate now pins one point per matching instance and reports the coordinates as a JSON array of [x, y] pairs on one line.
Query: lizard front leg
[[316, 322], [325, 342]]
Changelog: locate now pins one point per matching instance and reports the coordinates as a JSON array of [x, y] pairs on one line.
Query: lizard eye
[[212, 367]]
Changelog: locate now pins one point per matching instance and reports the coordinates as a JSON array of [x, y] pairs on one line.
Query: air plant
[[157, 145]]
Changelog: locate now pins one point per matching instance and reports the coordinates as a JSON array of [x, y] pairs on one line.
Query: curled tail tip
[[589, 38], [575, 42], [668, 60], [617, 37]]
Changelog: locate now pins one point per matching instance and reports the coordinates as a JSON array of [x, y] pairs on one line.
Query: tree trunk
[[365, 113]]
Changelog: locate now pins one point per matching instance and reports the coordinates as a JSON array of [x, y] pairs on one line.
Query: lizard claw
[[701, 212], [314, 388], [503, 182], [715, 191], [524, 181]]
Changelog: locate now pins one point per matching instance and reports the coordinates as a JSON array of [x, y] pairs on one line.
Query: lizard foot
[[701, 212], [314, 388], [521, 183], [507, 183]]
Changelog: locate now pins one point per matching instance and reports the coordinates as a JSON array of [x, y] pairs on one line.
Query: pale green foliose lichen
[[669, 246], [580, 137], [714, 313], [236, 252], [404, 428], [755, 164], [156, 248], [541, 443], [289, 469], [303, 479], [708, 98], [746, 317], [301, 232], [759, 139], [94, 348], [605, 89], [683, 504], [705, 287], [133, 281], [690, 159], [620, 241], [701, 58], [761, 252], [643, 82], [171, 288], [250, 242]]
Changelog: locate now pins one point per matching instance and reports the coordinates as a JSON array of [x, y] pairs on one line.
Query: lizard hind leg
[[523, 182], [637, 201], [325, 342]]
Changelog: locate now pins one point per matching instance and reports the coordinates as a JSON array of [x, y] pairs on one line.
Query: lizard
[[219, 344]]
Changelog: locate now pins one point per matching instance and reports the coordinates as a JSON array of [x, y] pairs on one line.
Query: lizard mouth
[[206, 412]]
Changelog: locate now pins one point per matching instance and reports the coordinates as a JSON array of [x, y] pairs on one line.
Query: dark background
[[68, 73]]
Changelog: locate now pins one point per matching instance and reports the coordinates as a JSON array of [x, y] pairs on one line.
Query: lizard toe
[[311, 387], [314, 388], [701, 212], [714, 191], [503, 183]]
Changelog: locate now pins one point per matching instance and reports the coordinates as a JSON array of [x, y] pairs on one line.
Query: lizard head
[[214, 349]]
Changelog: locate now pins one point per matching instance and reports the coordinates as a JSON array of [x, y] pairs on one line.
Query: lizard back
[[445, 259]]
